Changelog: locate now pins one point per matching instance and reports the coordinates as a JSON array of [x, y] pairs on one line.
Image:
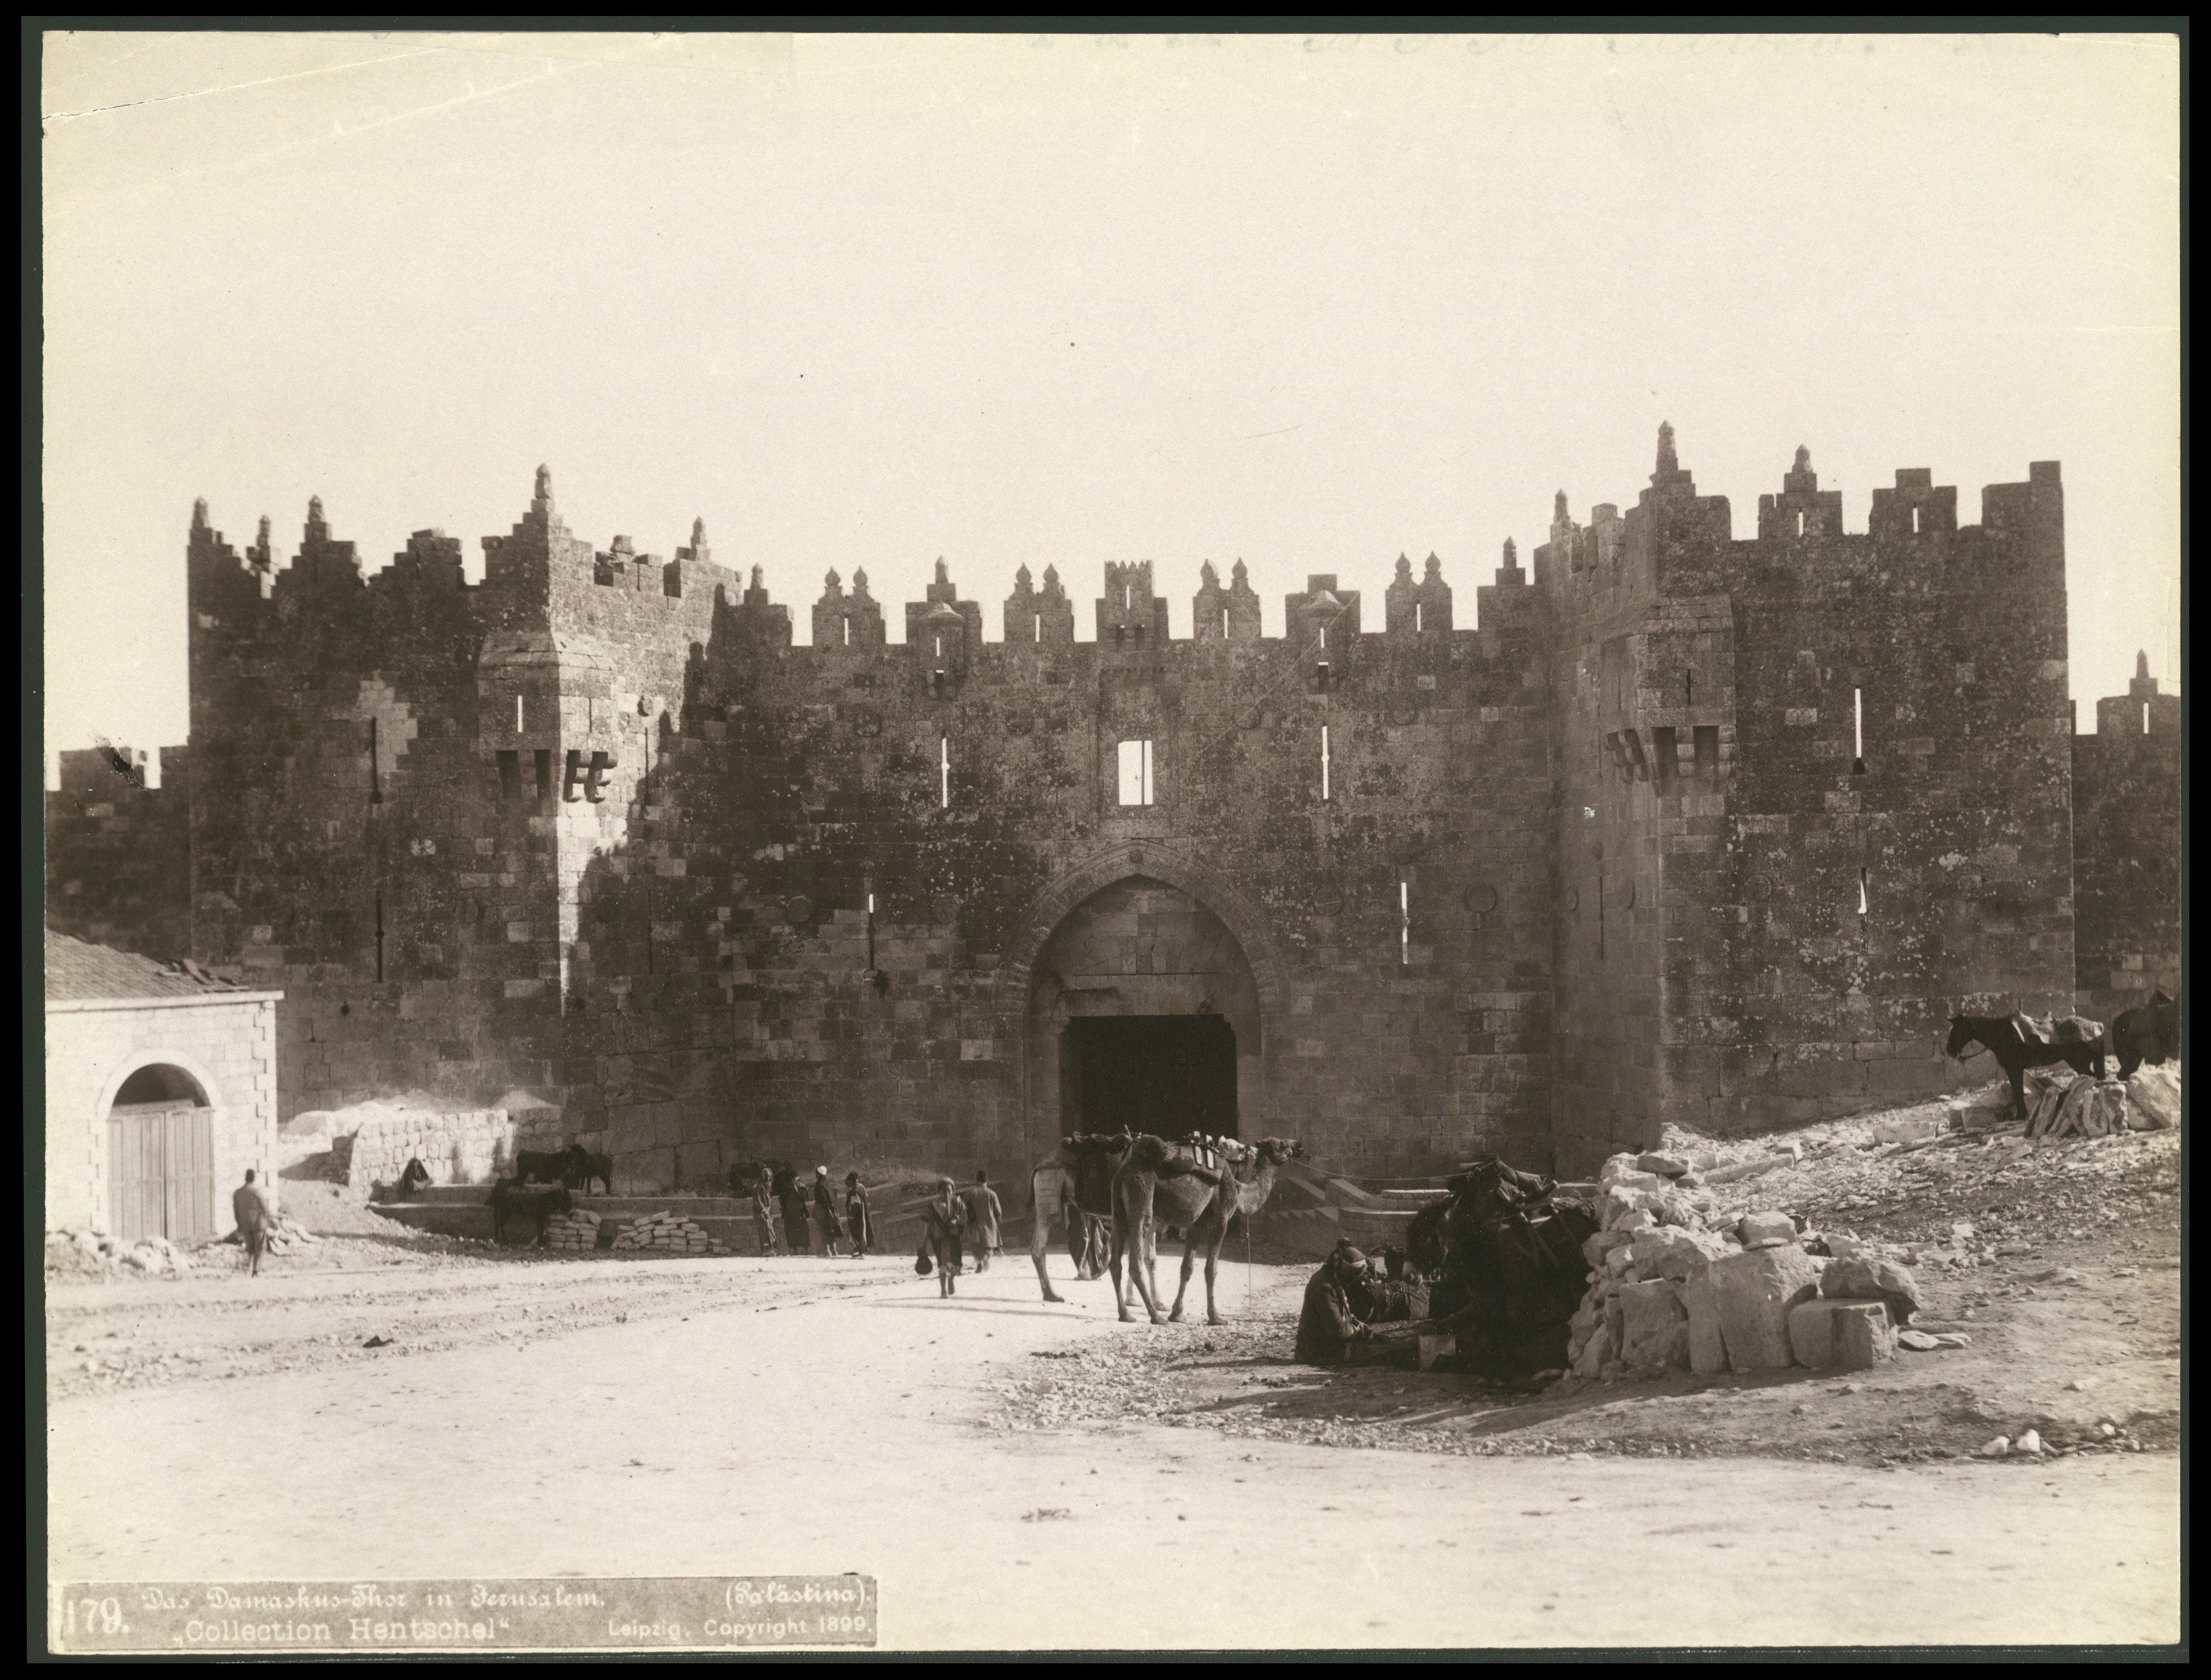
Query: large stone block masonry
[[1654, 1328], [594, 827], [1844, 1335], [1755, 1292]]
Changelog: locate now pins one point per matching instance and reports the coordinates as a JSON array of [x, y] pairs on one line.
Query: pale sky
[[868, 300]]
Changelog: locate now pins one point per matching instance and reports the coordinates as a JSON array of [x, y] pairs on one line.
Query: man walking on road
[[942, 1216], [249, 1205], [984, 1213]]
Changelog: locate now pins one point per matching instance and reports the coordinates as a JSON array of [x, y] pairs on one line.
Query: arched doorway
[[160, 1157], [1143, 1012]]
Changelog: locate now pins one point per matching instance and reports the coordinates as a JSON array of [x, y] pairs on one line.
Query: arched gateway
[[1146, 984]]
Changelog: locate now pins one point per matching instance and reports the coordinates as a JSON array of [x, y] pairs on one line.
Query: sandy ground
[[729, 1417]]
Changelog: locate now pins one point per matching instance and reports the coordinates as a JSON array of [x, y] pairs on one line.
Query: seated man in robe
[[1342, 1309]]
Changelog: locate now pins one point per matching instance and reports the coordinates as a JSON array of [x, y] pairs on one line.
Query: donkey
[[2148, 1032], [2016, 1051]]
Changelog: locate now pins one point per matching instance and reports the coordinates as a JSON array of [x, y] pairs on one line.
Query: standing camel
[[1160, 1184], [1077, 1184]]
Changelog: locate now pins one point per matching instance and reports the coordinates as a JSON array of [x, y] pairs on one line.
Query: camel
[[1161, 1184], [1077, 1184]]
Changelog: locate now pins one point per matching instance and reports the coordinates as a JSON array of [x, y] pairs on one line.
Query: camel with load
[[1076, 1186], [1161, 1184]]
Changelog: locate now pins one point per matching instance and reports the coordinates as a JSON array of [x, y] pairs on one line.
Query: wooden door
[[161, 1172]]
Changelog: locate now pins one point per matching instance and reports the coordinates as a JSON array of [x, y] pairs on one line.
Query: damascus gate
[[1665, 824]]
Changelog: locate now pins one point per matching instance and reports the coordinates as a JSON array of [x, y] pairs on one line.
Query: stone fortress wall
[[1682, 827]]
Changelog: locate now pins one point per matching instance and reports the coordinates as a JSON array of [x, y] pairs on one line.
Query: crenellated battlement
[[1668, 825]]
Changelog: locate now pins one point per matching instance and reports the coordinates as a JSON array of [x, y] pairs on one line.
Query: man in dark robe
[[825, 1210], [793, 1202], [1337, 1326], [942, 1219], [857, 1224]]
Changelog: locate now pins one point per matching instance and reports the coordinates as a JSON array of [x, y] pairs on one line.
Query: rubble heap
[[1681, 1285], [91, 1251], [664, 1233]]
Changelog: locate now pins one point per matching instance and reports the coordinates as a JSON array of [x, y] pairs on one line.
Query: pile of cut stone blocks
[[1677, 1289], [578, 1229], [667, 1233]]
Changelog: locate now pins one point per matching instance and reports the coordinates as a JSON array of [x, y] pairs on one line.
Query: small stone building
[[161, 1092]]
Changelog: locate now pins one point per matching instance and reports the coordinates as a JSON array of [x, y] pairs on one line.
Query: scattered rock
[[377, 1341], [1909, 1129], [2029, 1443], [1860, 1277], [1917, 1340], [1756, 1229], [2153, 1099], [1666, 1166], [1995, 1449], [2081, 1385]]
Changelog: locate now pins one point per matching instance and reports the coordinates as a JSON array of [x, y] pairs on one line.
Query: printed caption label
[[623, 1613]]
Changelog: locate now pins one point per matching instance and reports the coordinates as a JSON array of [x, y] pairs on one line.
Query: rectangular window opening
[[1120, 635], [1665, 751], [1323, 635], [1915, 522], [847, 623], [939, 647], [518, 715], [1800, 524], [379, 938], [1864, 878], [1705, 744], [1128, 596], [1324, 761], [1036, 628], [1688, 688], [1404, 921], [2144, 717], [573, 774], [1320, 676], [1858, 732], [544, 773], [1224, 624], [1416, 617], [944, 770], [1136, 773], [510, 776]]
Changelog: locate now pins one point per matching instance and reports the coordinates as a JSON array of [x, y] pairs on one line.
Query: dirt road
[[737, 1417]]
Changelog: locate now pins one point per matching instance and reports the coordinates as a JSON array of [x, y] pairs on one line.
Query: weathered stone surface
[[1847, 1335], [1676, 1252], [1600, 1243], [1700, 1296], [1654, 1328], [1757, 1289], [1861, 1277], [1664, 1166], [1745, 1169], [754, 834], [2153, 1099], [1596, 1353], [1754, 1228]]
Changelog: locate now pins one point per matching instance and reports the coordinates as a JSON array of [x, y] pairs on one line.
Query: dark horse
[[2148, 1032], [2015, 1051]]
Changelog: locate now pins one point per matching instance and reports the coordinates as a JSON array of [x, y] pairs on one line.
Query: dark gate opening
[[1169, 1075]]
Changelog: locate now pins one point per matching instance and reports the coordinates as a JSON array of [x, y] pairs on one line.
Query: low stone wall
[[474, 1146]]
